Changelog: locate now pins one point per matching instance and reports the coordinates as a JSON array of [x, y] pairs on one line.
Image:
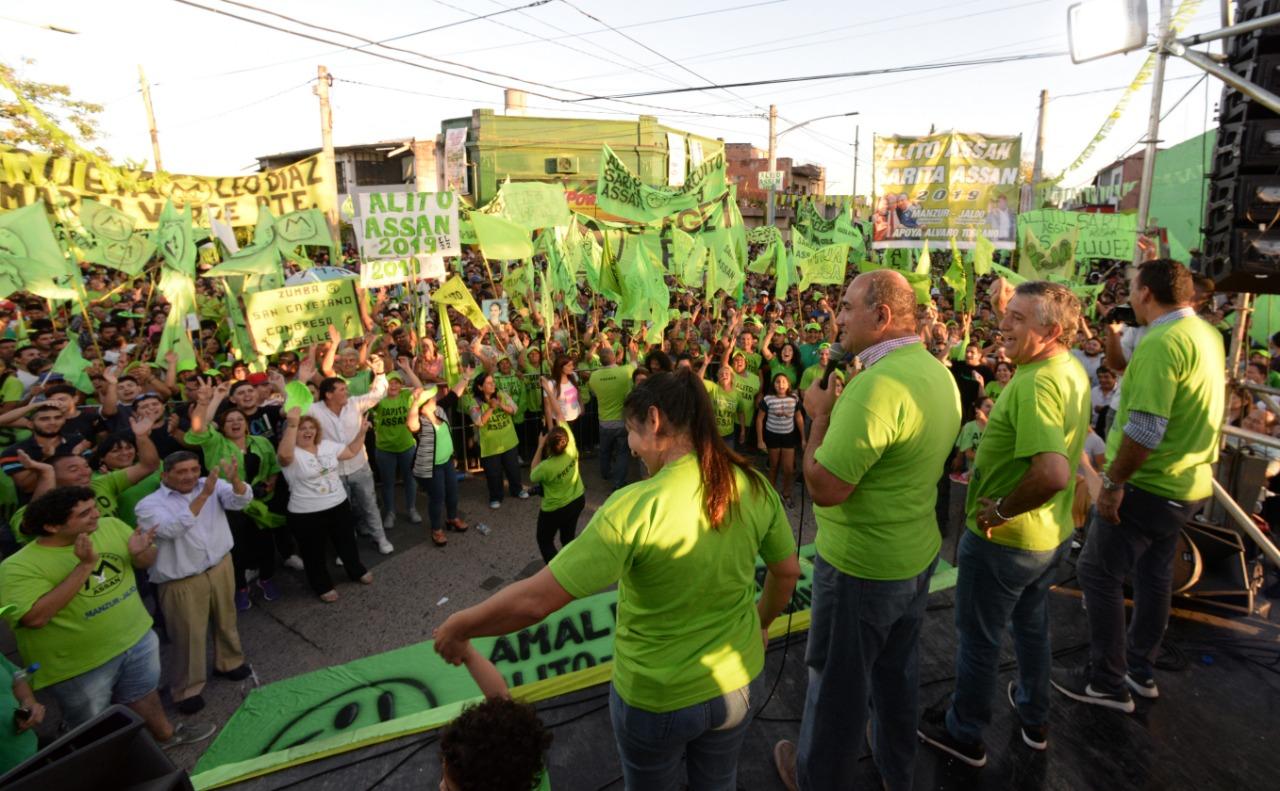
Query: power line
[[1113, 88], [834, 76], [422, 66]]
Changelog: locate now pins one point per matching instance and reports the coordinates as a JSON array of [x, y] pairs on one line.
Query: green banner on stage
[[289, 318], [949, 186]]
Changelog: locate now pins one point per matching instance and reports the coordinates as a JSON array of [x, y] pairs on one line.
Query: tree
[[74, 116]]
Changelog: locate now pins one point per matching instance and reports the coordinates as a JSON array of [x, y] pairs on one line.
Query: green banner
[[949, 186], [289, 318], [531, 205], [393, 225], [1179, 191], [825, 265], [1097, 236]]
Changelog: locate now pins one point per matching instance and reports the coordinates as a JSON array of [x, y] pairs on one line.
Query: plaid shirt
[[876, 352]]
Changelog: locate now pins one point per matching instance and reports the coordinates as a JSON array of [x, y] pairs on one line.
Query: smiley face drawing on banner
[[104, 222], [296, 228], [187, 191], [359, 706]]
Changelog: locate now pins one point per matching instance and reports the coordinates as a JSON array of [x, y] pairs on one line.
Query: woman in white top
[[318, 513]]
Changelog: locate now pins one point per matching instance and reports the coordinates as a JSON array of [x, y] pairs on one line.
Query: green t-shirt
[[810, 374], [727, 407], [105, 617], [753, 361], [1177, 372], [11, 390], [559, 476], [360, 383], [747, 385], [687, 627], [994, 389], [513, 385], [390, 428], [970, 436], [777, 366], [14, 747], [610, 387], [107, 489], [1045, 408], [135, 494], [499, 434], [808, 354], [891, 432]]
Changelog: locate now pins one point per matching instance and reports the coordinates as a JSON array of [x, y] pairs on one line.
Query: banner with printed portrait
[[951, 186]]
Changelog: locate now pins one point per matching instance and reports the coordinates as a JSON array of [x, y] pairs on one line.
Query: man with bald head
[[871, 465]]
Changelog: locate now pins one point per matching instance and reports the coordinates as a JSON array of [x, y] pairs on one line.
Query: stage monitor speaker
[[1227, 577], [112, 752]]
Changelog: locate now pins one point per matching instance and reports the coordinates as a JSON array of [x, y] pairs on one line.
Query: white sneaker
[[524, 494], [495, 504], [389, 521], [338, 561], [415, 518], [384, 546], [294, 562]]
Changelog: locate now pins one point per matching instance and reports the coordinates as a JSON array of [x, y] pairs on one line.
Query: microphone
[[837, 357]]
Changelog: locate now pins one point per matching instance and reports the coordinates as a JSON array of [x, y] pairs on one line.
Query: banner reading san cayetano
[[933, 189]]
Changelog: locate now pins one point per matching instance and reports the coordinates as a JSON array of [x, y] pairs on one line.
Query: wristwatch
[[1110, 485]]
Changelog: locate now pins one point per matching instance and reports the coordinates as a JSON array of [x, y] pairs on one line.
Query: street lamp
[[773, 150]]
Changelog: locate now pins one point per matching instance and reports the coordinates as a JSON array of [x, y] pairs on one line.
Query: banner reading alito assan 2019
[[931, 189]]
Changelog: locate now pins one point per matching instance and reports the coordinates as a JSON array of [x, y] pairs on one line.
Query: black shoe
[[1143, 685], [191, 705], [1074, 683], [236, 674], [1034, 736], [933, 731]]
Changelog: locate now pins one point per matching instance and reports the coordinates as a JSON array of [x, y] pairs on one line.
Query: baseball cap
[[258, 378], [814, 326], [430, 391]]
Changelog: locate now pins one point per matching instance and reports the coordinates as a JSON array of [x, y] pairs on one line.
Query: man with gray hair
[[1019, 523], [871, 465], [193, 570]]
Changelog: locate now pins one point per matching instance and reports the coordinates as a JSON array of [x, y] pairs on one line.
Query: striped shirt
[[875, 352], [780, 413]]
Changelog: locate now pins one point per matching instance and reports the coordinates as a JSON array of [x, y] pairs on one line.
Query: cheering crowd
[[144, 489]]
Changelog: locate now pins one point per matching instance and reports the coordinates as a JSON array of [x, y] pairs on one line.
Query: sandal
[[437, 538], [456, 525], [367, 579], [329, 597]]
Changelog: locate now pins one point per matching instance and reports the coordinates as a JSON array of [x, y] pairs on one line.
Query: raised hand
[[376, 365], [141, 426], [85, 551], [229, 470], [141, 540], [210, 482], [29, 463]]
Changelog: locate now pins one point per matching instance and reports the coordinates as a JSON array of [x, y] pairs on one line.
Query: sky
[[226, 91]]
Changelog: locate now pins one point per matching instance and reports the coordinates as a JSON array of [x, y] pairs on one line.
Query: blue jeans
[[126, 678], [650, 744], [388, 465], [998, 586], [498, 465], [364, 504], [442, 494], [615, 455], [864, 647]]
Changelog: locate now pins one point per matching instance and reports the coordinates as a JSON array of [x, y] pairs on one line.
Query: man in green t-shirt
[[76, 611], [610, 384], [872, 465], [1019, 523], [1158, 474]]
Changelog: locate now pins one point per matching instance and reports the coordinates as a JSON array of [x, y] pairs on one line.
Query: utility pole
[[856, 129], [151, 118], [1037, 169], [771, 213], [1163, 37], [328, 165]]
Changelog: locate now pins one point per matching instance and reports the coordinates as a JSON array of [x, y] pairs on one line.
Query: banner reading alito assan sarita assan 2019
[[932, 189]]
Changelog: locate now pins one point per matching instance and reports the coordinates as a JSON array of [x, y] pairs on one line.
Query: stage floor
[[1214, 726]]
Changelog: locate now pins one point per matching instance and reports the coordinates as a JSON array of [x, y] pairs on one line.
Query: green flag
[[175, 239], [688, 258], [819, 265], [115, 244], [620, 192], [546, 307], [254, 259], [452, 364], [582, 253], [30, 258], [1008, 274], [723, 256], [921, 285], [532, 205], [73, 366], [1031, 256], [924, 264], [954, 276], [304, 228], [454, 293], [982, 255], [786, 276], [500, 239]]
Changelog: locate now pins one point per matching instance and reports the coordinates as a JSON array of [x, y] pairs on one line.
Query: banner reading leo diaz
[[27, 177], [933, 189]]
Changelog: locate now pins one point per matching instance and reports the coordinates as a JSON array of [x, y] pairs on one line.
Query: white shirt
[[1090, 364], [314, 484], [188, 544], [345, 425], [1098, 398]]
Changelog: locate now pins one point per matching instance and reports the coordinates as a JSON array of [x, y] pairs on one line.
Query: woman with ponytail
[[681, 545]]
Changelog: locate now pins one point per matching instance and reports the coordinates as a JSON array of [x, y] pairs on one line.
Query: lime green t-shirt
[[610, 387], [107, 488], [11, 390], [14, 747], [360, 383], [747, 385], [891, 432], [811, 373], [513, 385], [499, 434], [444, 441], [777, 366], [390, 428], [687, 627], [753, 362], [994, 389], [102, 620], [561, 481], [1045, 408], [970, 436], [1177, 372], [726, 405]]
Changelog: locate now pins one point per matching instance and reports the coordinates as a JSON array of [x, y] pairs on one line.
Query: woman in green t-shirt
[[555, 466], [682, 546], [491, 411], [394, 449]]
